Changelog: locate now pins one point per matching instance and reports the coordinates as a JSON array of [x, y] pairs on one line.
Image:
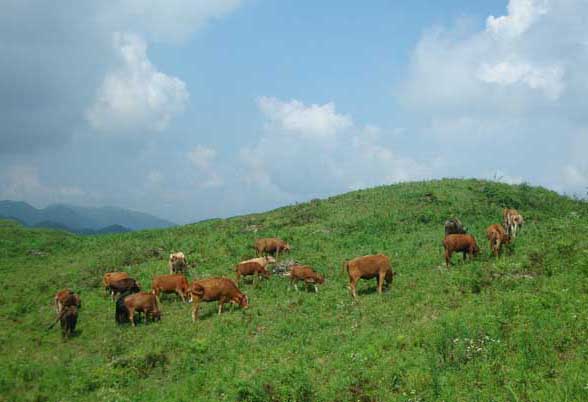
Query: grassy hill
[[507, 329]]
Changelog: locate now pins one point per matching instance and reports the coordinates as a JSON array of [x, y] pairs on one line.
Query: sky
[[212, 108]]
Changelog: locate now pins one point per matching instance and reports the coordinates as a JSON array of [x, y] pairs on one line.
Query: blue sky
[[197, 109]]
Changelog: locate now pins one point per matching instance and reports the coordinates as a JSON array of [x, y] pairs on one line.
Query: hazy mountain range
[[81, 220]]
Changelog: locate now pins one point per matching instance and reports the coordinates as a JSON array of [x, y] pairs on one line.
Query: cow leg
[[315, 288], [195, 308], [465, 255], [132, 315], [447, 258], [296, 287], [220, 307], [381, 277], [181, 293], [352, 285]]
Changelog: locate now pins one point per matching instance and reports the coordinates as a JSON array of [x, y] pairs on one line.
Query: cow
[[454, 226], [250, 268], [497, 236], [307, 275], [222, 289], [141, 302], [367, 267], [112, 276], [465, 243], [69, 318], [512, 221], [271, 245], [125, 285], [65, 298], [263, 261], [171, 284], [177, 263]]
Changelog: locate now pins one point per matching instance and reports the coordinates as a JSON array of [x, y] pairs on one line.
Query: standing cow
[[69, 318], [368, 267], [271, 245], [177, 263], [497, 236], [464, 243], [512, 221], [454, 226], [222, 289]]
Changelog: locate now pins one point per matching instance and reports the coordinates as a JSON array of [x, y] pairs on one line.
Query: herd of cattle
[[132, 300]]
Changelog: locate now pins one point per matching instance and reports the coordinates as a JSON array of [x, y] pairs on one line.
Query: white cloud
[[135, 96], [289, 164], [549, 79], [293, 117], [521, 15], [203, 159]]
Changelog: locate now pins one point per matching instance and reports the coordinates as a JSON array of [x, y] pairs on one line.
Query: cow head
[[389, 277], [476, 250], [242, 301], [287, 247], [320, 279], [269, 259], [156, 315]]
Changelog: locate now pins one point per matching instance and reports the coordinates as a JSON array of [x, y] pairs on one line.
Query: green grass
[[508, 329]]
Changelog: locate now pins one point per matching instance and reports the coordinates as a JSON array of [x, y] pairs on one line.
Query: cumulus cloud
[[290, 164], [295, 118], [135, 96], [203, 159], [513, 91]]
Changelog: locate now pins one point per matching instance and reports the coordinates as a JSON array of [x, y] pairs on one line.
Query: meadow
[[512, 328]]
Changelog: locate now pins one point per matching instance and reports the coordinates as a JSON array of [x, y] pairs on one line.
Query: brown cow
[[306, 274], [69, 318], [465, 243], [222, 289], [65, 298], [263, 261], [111, 277], [250, 268], [171, 284], [497, 237], [367, 267], [124, 285], [271, 245], [141, 302], [512, 221], [177, 263]]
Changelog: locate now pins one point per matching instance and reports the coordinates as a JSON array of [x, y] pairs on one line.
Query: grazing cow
[[263, 261], [306, 274], [141, 302], [367, 267], [65, 298], [454, 226], [69, 318], [512, 221], [497, 236], [222, 289], [177, 263], [171, 284], [250, 268], [271, 245], [464, 243], [125, 285], [111, 277]]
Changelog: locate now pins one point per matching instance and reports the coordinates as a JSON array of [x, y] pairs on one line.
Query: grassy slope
[[508, 329]]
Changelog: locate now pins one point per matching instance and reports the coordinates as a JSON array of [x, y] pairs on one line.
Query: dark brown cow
[[111, 277], [271, 245], [465, 243], [367, 267], [171, 284], [222, 289], [497, 236], [125, 285], [454, 226], [65, 298], [250, 268], [69, 318], [307, 275], [141, 302]]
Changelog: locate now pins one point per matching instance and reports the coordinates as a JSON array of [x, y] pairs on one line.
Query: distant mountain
[[82, 220]]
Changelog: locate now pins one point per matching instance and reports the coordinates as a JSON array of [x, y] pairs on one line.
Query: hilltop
[[512, 328]]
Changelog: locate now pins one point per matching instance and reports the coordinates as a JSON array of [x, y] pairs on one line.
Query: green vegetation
[[508, 329]]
